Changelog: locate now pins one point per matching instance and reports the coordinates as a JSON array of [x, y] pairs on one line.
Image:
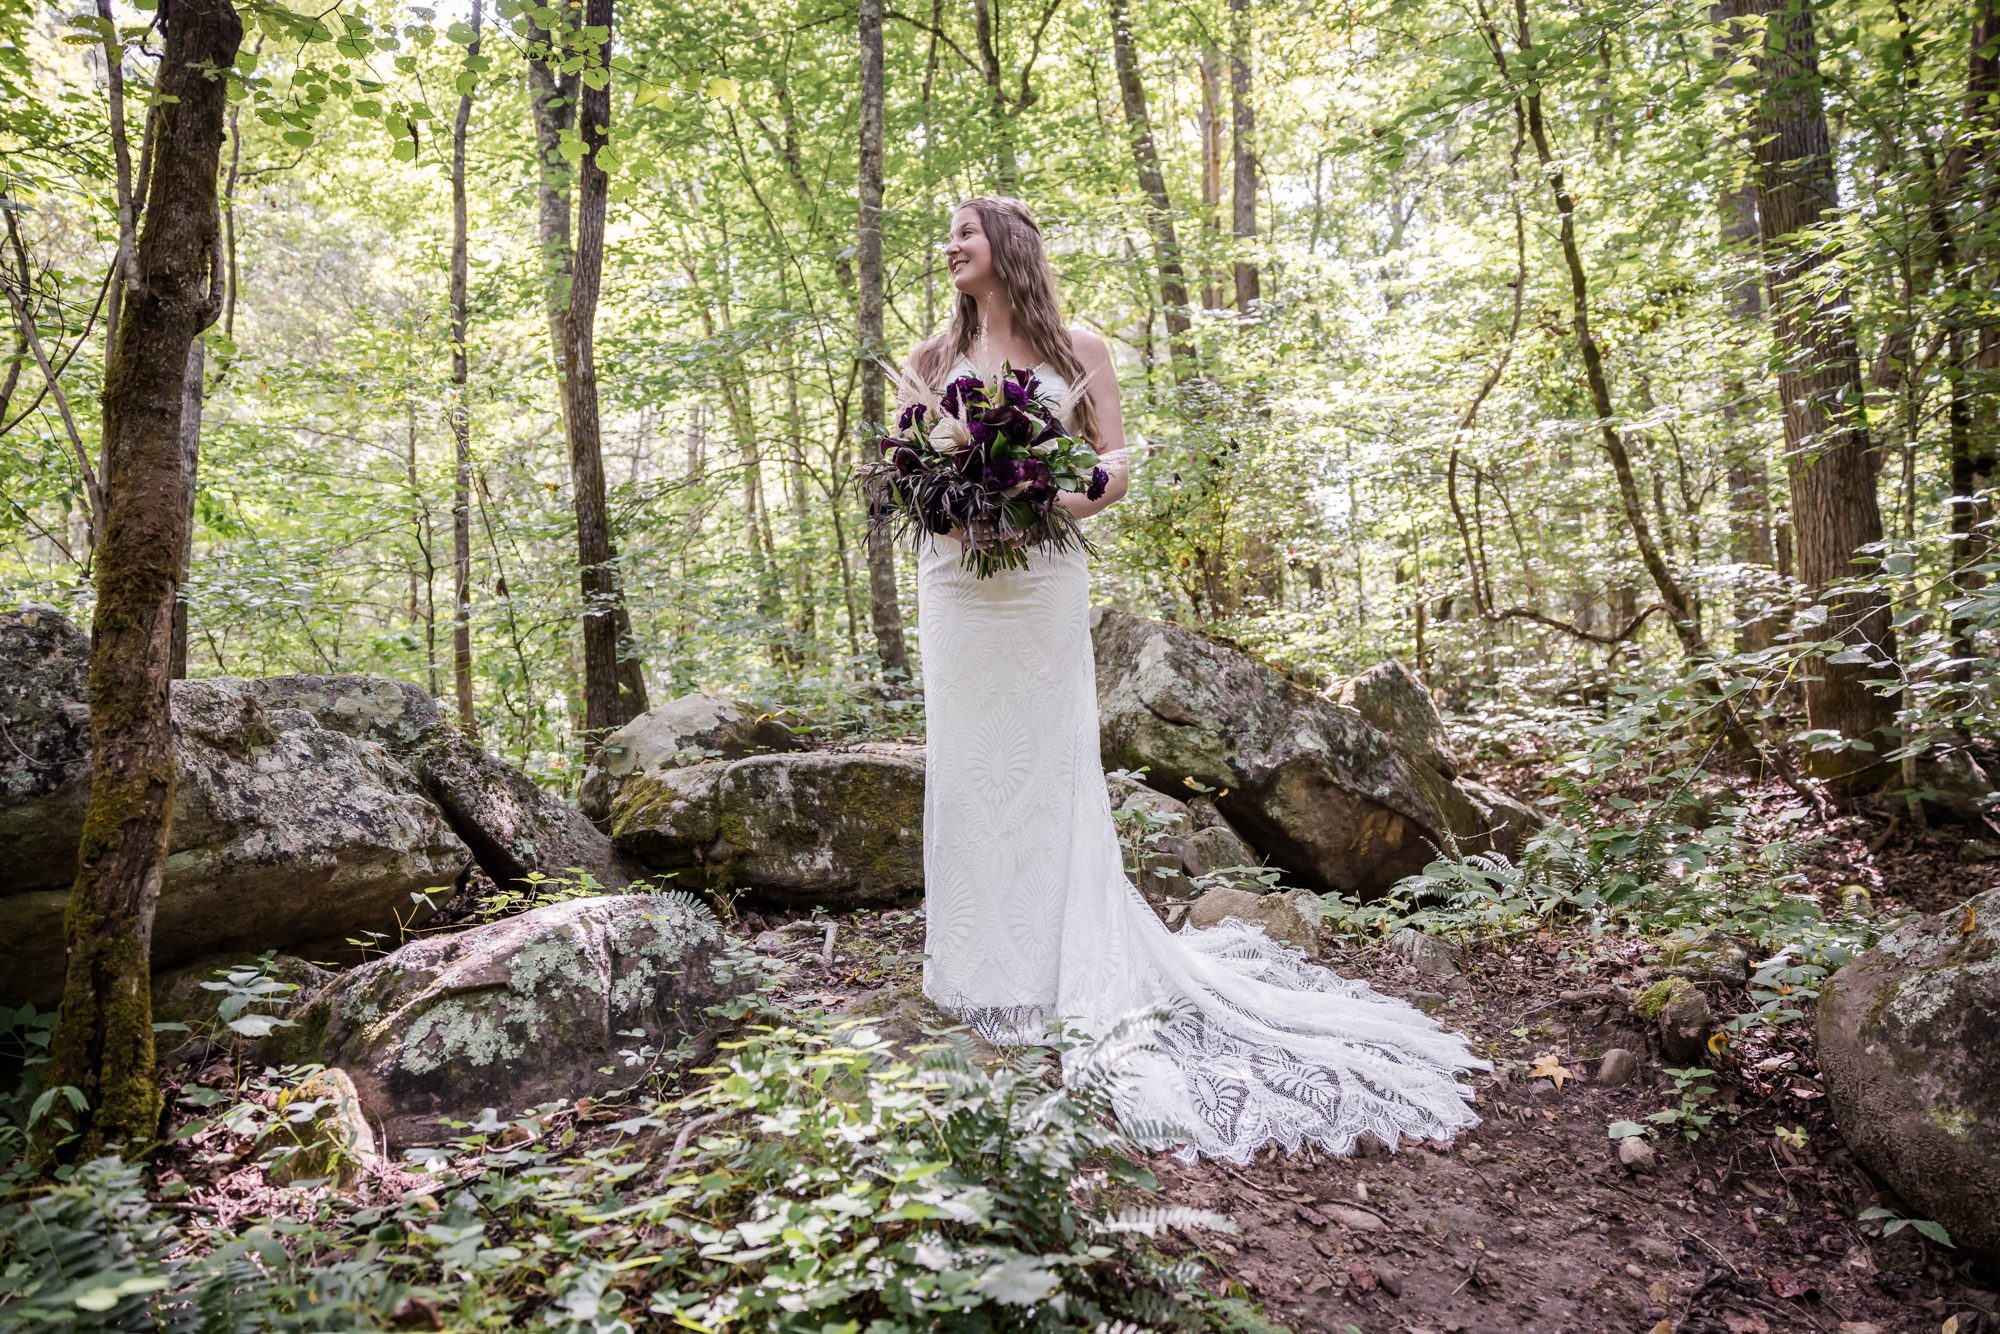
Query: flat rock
[[525, 1010], [1281, 916], [826, 828]]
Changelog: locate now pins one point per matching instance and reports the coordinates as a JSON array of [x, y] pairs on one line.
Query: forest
[[429, 491]]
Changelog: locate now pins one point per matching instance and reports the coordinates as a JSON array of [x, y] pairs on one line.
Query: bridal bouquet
[[987, 458]]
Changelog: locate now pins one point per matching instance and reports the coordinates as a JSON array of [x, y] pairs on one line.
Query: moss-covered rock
[[308, 810], [321, 1131], [689, 730], [45, 767], [826, 828], [524, 1011], [513, 827], [1390, 696], [1909, 1041], [1327, 795], [285, 835]]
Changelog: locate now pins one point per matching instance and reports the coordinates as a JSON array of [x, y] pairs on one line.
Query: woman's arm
[[1110, 442]]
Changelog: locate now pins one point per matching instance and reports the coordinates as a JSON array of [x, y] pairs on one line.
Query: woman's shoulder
[[1089, 347]]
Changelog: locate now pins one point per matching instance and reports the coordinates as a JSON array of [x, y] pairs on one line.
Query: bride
[[1030, 917]]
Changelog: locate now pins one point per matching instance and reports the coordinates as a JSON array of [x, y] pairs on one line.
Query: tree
[[103, 1039], [1830, 466], [884, 611], [1159, 213], [571, 113], [1243, 148], [461, 417]]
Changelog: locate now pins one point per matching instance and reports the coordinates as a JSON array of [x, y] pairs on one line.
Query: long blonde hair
[[1023, 266]]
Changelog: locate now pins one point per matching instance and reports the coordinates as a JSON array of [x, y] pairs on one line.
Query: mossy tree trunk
[[103, 1042]]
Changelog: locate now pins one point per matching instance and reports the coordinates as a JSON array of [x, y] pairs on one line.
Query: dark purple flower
[[887, 444], [982, 432], [906, 460], [970, 461], [1004, 473], [1099, 479], [1036, 474], [1014, 393], [913, 417], [958, 393]]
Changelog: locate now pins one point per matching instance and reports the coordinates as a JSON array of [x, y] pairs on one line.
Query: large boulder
[[523, 1011], [1909, 1042], [285, 835], [824, 828], [514, 827], [1325, 794], [45, 752], [308, 809], [1390, 696], [683, 731]]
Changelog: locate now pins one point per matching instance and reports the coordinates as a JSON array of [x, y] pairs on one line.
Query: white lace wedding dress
[[1030, 915]]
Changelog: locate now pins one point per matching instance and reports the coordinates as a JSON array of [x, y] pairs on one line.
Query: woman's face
[[968, 253]]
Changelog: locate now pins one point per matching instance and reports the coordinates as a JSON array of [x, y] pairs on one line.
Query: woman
[[1029, 914]]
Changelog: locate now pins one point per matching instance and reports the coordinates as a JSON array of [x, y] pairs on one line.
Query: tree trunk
[[1242, 143], [103, 1039], [613, 679], [1829, 464], [461, 419], [1159, 216], [1007, 169], [885, 612], [1749, 485], [1974, 412], [192, 382], [1211, 176]]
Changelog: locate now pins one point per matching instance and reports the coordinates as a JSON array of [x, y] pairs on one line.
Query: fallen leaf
[[1789, 1285], [1859, 1327], [1361, 1277], [1549, 1066], [1745, 1324]]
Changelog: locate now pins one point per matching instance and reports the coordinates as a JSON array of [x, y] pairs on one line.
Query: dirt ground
[[1530, 1222]]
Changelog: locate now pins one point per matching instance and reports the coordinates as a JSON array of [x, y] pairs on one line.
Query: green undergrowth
[[817, 1178], [1646, 842]]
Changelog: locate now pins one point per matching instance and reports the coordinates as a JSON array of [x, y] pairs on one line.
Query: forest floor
[[1530, 1222]]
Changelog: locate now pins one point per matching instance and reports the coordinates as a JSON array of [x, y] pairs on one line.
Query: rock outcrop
[[692, 729], [826, 828], [285, 836], [1390, 696], [1326, 794], [307, 810], [1909, 1042], [522, 1011]]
